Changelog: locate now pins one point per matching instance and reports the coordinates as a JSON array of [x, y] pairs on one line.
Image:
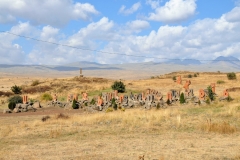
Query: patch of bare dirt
[[43, 111]]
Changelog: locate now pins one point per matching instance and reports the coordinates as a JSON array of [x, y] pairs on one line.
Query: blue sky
[[155, 30]]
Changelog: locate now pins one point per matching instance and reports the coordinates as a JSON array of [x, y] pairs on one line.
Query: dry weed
[[230, 110], [62, 116], [54, 133], [5, 131], [36, 89], [7, 93], [45, 118], [220, 127], [178, 120]]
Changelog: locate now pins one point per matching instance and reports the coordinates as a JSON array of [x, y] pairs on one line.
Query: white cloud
[[90, 37], [203, 39], [237, 2], [48, 33], [55, 13], [174, 11], [231, 50], [131, 10], [23, 29], [101, 30], [153, 3], [7, 18], [10, 51], [136, 26], [233, 15], [156, 44]]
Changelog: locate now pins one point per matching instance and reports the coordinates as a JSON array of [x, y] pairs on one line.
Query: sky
[[56, 32]]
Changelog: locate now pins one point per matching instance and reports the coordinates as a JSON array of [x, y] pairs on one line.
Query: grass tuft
[[62, 116], [220, 127], [45, 118]]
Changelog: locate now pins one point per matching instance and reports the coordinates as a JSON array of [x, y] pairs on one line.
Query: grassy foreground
[[179, 132]]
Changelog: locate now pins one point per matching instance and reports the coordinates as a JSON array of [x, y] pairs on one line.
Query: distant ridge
[[126, 70], [184, 62], [229, 59]]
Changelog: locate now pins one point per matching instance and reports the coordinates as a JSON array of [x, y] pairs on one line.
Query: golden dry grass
[[94, 86], [178, 132], [125, 135], [222, 127]]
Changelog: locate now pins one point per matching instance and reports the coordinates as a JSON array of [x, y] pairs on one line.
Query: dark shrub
[[16, 89], [220, 82], [44, 118], [210, 93], [35, 83], [182, 99], [15, 99], [74, 104], [229, 99], [11, 105], [93, 101], [114, 104], [168, 102], [231, 76], [119, 86]]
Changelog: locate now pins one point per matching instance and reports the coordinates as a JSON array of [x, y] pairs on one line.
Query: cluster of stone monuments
[[151, 98], [25, 106], [147, 99], [203, 93]]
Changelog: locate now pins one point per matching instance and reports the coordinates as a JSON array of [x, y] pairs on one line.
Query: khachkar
[[81, 75]]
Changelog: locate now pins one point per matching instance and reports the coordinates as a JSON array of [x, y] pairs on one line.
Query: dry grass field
[[179, 132]]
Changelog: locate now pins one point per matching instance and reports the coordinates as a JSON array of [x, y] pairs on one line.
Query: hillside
[[122, 71], [180, 131]]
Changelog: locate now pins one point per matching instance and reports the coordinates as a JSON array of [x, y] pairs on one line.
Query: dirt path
[[43, 111]]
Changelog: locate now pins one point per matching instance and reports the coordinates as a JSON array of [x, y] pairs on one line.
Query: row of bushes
[[230, 76], [186, 76]]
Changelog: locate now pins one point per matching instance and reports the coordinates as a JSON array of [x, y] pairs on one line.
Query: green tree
[[74, 104], [11, 105], [231, 76], [168, 102], [119, 86], [114, 104], [182, 99], [16, 89], [210, 93], [15, 99], [93, 101]]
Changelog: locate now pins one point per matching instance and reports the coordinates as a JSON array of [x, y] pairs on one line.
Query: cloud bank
[[203, 39], [45, 12]]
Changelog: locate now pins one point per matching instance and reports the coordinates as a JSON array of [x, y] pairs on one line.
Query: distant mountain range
[[184, 62], [229, 59], [127, 71]]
